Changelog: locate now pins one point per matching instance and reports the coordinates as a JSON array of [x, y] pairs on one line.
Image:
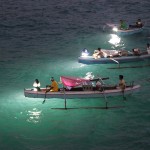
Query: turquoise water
[[43, 39]]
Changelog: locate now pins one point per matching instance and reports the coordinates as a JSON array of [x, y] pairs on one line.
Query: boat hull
[[79, 94], [129, 32], [113, 60]]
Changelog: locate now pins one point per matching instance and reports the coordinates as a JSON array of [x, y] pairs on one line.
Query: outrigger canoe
[[78, 89], [129, 31], [80, 93], [113, 57]]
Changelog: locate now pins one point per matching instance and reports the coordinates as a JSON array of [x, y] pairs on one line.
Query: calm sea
[[41, 39]]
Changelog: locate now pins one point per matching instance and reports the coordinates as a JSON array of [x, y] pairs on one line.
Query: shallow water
[[43, 39]]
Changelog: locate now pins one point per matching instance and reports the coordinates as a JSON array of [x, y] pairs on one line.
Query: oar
[[45, 96], [115, 61]]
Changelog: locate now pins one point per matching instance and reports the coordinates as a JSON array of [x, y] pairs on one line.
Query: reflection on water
[[34, 115], [115, 40]]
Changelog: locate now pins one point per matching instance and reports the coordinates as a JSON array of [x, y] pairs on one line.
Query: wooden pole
[[106, 105], [103, 90], [65, 97], [65, 104]]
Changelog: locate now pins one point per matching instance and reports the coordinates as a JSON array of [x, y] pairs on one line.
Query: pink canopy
[[73, 81]]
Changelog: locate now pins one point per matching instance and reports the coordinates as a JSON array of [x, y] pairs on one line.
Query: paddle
[[45, 96], [115, 61]]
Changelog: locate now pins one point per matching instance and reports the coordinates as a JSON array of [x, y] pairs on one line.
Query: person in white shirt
[[36, 85]]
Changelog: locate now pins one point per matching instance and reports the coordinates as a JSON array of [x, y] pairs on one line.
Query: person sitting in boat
[[98, 53], [136, 51], [36, 85], [53, 87], [116, 54], [148, 48], [98, 85], [138, 24], [123, 25]]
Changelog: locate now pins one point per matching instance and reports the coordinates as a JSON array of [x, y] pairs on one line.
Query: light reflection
[[115, 40], [34, 115]]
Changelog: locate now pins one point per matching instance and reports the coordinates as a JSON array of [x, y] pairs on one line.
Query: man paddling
[[53, 87]]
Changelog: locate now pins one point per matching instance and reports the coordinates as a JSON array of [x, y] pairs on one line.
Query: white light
[[115, 29], [84, 54]]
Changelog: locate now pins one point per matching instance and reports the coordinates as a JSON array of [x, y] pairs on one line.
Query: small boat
[[129, 31], [114, 56], [75, 87]]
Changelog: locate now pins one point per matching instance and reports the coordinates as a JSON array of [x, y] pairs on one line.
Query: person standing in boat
[[53, 87], [36, 85], [122, 84]]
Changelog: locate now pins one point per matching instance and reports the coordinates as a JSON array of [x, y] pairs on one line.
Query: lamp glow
[[85, 53], [115, 29]]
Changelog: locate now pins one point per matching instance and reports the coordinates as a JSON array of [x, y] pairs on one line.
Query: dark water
[[40, 39]]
